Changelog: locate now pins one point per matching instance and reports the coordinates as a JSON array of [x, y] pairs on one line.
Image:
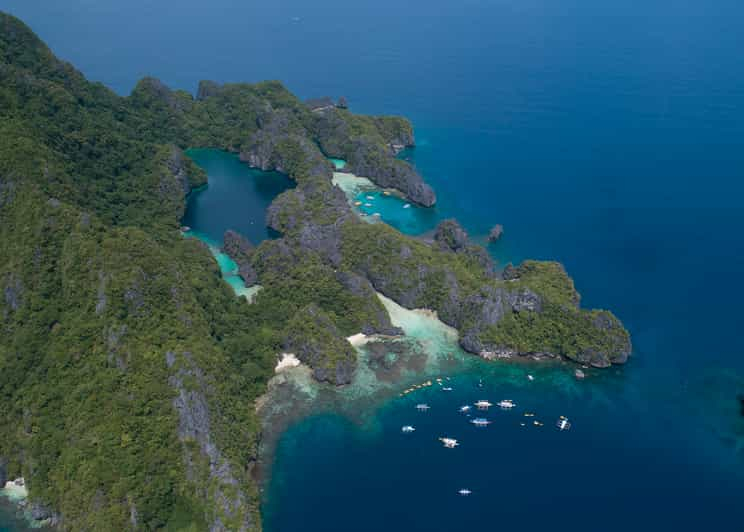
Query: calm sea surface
[[608, 135]]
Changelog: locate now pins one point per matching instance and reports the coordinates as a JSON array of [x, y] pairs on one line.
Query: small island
[[130, 370]]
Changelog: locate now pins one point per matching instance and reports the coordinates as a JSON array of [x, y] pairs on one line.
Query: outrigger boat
[[465, 408], [529, 414], [407, 428], [449, 443], [464, 491], [537, 423], [480, 422], [422, 407], [507, 404], [446, 389], [563, 423], [483, 404]]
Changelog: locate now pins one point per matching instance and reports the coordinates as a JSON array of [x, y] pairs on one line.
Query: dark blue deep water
[[607, 134]]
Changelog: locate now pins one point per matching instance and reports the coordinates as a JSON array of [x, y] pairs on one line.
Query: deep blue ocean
[[607, 134]]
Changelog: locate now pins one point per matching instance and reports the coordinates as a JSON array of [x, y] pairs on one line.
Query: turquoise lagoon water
[[235, 198], [339, 164], [607, 135]]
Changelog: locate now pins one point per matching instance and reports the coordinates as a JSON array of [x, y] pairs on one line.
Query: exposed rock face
[[281, 144], [361, 287], [207, 89], [510, 273], [524, 300], [13, 293], [316, 341], [367, 158], [7, 188], [3, 471], [495, 233], [40, 512], [152, 89], [192, 389], [450, 236], [619, 348], [320, 104], [321, 233], [342, 103], [177, 166], [240, 249]]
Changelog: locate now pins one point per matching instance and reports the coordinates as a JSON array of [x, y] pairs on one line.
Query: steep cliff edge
[[128, 367]]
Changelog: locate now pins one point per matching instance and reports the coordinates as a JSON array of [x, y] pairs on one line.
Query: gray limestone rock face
[[450, 236], [207, 89], [3, 471], [13, 293], [367, 158], [195, 426], [495, 233], [525, 300], [237, 247]]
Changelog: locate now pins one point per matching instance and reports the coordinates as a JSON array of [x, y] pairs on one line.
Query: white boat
[[446, 389], [480, 422], [367, 204], [449, 443], [483, 404], [407, 206], [465, 408], [422, 407], [530, 377], [407, 429], [464, 491], [506, 404], [563, 423], [370, 197]]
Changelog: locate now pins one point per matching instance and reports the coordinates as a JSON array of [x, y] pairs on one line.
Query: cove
[[606, 135], [236, 197]]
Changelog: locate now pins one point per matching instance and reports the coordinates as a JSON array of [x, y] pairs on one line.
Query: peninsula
[[129, 370]]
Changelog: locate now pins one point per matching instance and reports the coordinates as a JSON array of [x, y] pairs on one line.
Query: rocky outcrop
[[361, 287], [195, 427], [369, 159], [3, 471], [495, 233], [151, 91], [616, 345], [178, 168], [320, 233], [510, 273], [320, 104], [450, 236], [207, 89], [176, 175], [12, 294], [316, 341], [281, 144], [7, 188], [42, 514], [237, 247], [524, 300], [240, 249]]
